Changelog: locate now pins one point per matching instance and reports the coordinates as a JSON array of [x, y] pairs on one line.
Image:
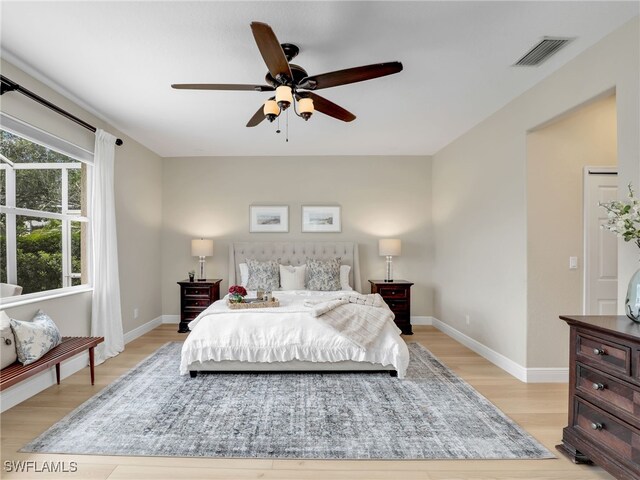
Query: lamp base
[[389, 276]]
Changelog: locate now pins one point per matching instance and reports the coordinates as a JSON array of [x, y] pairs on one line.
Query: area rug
[[152, 410]]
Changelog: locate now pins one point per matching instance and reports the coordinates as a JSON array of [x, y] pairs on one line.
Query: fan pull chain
[[287, 125], [278, 128]]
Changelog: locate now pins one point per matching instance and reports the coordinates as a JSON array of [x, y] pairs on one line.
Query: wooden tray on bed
[[253, 303]]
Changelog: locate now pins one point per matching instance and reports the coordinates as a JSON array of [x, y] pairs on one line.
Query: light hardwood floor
[[540, 408]]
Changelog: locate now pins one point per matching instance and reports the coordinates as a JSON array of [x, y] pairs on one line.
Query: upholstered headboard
[[295, 253]]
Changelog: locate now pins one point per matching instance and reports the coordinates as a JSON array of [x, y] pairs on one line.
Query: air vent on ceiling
[[542, 51]]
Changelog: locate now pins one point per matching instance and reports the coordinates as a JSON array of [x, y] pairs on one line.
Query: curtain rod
[[11, 86]]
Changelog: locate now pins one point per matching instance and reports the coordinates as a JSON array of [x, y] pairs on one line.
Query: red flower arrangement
[[237, 290], [236, 293]]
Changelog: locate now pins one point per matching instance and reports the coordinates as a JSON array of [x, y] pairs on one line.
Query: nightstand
[[195, 297], [397, 294]]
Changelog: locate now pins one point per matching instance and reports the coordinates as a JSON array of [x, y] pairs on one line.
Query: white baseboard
[[142, 329], [527, 375], [28, 388], [421, 320], [171, 319]]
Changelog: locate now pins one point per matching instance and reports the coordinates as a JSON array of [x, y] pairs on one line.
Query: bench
[[70, 347]]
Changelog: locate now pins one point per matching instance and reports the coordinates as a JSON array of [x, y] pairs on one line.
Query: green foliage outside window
[[39, 240]]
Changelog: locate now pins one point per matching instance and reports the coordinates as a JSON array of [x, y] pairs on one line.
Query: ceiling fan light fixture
[[284, 96], [305, 107], [271, 110]]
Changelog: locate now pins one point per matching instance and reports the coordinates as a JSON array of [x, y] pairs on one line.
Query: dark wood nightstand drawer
[[607, 430], [197, 302], [398, 306], [603, 353], [611, 392], [196, 291], [393, 292]]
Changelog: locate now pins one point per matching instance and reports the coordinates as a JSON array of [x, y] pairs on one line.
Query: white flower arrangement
[[623, 218]]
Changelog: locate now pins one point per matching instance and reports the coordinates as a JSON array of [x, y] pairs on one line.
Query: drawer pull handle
[[597, 426], [598, 386], [599, 351]]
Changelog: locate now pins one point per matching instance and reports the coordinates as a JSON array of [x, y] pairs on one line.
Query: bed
[[288, 338]]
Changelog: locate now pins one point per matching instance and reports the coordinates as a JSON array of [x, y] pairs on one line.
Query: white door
[[601, 246]]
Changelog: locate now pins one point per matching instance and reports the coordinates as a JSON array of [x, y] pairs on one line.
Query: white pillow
[[344, 277], [35, 338], [8, 353], [292, 278], [244, 274]]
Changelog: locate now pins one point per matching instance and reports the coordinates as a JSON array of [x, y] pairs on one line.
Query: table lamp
[[201, 248], [389, 247]]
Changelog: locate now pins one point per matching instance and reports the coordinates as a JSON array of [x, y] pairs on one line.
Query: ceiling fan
[[289, 81]]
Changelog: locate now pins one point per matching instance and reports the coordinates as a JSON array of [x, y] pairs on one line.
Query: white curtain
[[106, 317]]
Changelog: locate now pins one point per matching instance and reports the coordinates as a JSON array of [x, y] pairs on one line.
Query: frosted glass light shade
[[305, 106], [202, 248], [284, 97], [271, 110], [389, 247]]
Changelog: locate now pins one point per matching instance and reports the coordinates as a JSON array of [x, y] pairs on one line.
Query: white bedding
[[282, 334]]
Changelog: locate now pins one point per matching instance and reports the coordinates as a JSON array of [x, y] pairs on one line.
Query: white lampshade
[[389, 247], [202, 248]]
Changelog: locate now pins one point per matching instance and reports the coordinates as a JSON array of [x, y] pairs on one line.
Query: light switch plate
[[573, 263]]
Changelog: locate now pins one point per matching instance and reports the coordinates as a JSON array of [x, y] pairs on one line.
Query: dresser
[[604, 394], [195, 297], [397, 294]]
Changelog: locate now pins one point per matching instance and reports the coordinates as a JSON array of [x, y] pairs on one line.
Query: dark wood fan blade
[[257, 117], [222, 86], [327, 107], [350, 75], [271, 50]]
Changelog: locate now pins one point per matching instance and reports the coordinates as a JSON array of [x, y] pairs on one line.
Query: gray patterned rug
[[152, 410]]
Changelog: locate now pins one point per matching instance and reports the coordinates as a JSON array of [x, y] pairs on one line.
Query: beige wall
[[379, 196], [556, 157], [480, 199], [138, 180]]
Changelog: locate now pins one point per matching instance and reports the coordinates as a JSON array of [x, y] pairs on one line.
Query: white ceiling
[[119, 58]]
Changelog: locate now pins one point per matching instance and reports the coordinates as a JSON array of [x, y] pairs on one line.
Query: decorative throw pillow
[[35, 338], [7, 341], [292, 278], [263, 275], [244, 274], [324, 275], [344, 277]]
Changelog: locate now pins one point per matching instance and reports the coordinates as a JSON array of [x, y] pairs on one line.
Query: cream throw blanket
[[358, 318]]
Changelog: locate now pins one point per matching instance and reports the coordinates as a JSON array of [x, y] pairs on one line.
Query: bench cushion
[[35, 338], [7, 350]]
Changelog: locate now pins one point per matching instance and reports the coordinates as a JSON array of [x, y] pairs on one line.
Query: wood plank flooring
[[540, 408]]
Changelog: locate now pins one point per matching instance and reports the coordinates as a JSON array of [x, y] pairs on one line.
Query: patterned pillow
[[323, 274], [263, 275], [35, 338]]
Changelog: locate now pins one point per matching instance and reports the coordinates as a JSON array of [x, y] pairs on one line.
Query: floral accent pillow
[[324, 275], [35, 338], [263, 275]]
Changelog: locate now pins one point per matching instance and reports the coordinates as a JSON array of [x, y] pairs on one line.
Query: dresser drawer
[[397, 306], [196, 291], [608, 431], [608, 391], [603, 353], [392, 291], [202, 303]]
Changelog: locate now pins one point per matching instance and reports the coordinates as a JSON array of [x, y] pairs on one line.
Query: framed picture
[[321, 219], [269, 218]]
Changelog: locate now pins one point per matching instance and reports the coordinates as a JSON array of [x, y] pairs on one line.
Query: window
[[43, 216]]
